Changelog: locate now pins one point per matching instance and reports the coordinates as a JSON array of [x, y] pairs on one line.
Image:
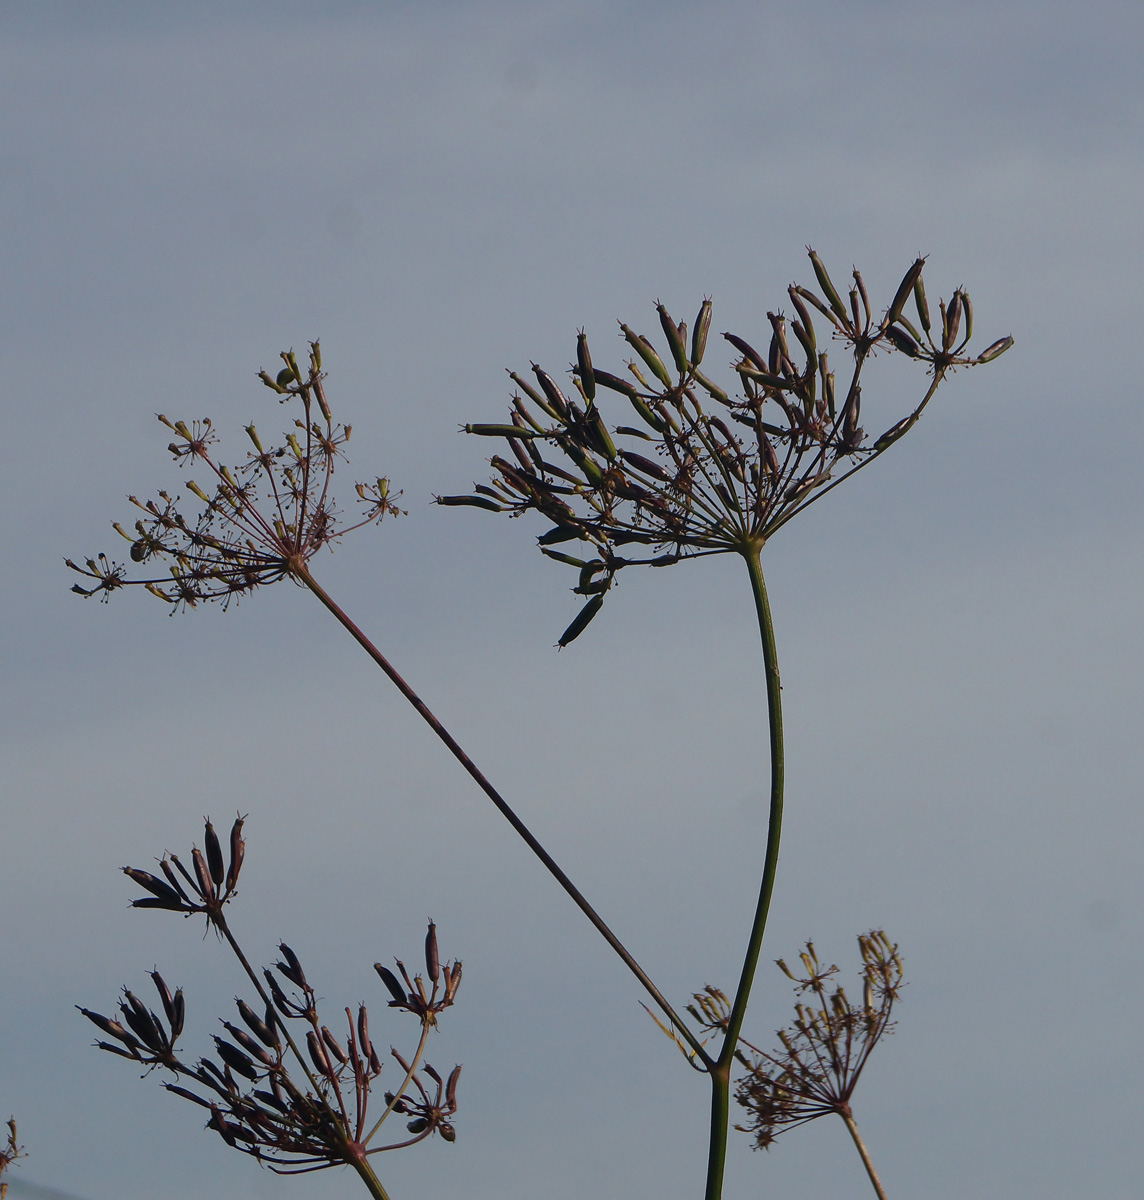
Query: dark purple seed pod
[[747, 351], [214, 855], [206, 884], [333, 1047], [318, 1053], [400, 998], [291, 968], [432, 963], [905, 289], [248, 1044], [584, 366]]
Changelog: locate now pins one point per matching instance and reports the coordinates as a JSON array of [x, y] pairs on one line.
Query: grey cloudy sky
[[441, 190]]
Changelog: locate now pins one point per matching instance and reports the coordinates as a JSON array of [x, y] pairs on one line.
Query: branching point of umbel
[[260, 522], [700, 472]]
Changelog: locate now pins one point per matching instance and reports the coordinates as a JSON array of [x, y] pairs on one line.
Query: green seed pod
[[832, 297], [674, 339], [603, 437], [710, 388], [499, 431], [534, 396], [967, 309], [647, 352], [921, 304], [584, 366], [995, 350], [581, 622], [273, 385], [700, 331], [284, 378]]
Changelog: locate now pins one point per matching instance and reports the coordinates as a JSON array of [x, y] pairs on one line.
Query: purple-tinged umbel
[[282, 1086], [700, 472]]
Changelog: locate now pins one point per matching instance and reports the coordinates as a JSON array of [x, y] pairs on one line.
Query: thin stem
[[853, 1128], [304, 576], [721, 1071], [404, 1084]]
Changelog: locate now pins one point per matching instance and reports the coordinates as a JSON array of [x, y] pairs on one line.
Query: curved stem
[[721, 1070], [853, 1129], [303, 576]]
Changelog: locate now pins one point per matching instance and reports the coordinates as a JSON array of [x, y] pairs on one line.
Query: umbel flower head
[[260, 522], [700, 471], [826, 1048], [281, 1086]]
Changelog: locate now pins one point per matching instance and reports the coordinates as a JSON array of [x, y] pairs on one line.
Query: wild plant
[[702, 472], [295, 1112]]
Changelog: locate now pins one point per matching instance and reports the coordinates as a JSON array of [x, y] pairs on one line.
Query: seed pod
[[248, 1044], [807, 341], [534, 396], [214, 855], [581, 622], [951, 322], [967, 309], [647, 352], [237, 853], [400, 998], [499, 431], [614, 383], [363, 1032], [555, 396], [832, 297], [333, 1047], [172, 1005], [284, 378], [291, 968], [903, 341], [272, 384], [143, 1023], [265, 1031], [602, 437], [645, 465], [584, 366], [318, 1054], [895, 431], [113, 1028], [905, 288], [699, 332], [168, 897], [447, 1132], [921, 304], [995, 350], [468, 501], [432, 963], [206, 884], [712, 389], [675, 339], [747, 351], [417, 1125]]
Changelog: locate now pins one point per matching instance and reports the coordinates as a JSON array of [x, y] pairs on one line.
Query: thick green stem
[[850, 1125], [303, 576], [371, 1181], [721, 1070]]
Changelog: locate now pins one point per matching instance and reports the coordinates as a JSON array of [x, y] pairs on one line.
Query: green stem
[[721, 1070], [853, 1128], [371, 1181], [303, 576]]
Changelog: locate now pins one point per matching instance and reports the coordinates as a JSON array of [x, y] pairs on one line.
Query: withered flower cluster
[[261, 521], [826, 1048], [702, 472], [9, 1152], [295, 1110]]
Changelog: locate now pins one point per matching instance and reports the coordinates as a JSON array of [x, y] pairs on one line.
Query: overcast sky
[[443, 190]]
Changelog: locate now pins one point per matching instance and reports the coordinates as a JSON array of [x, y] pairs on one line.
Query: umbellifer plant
[[702, 471], [296, 1112]]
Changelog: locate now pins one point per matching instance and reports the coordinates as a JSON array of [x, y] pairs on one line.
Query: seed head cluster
[[699, 471]]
